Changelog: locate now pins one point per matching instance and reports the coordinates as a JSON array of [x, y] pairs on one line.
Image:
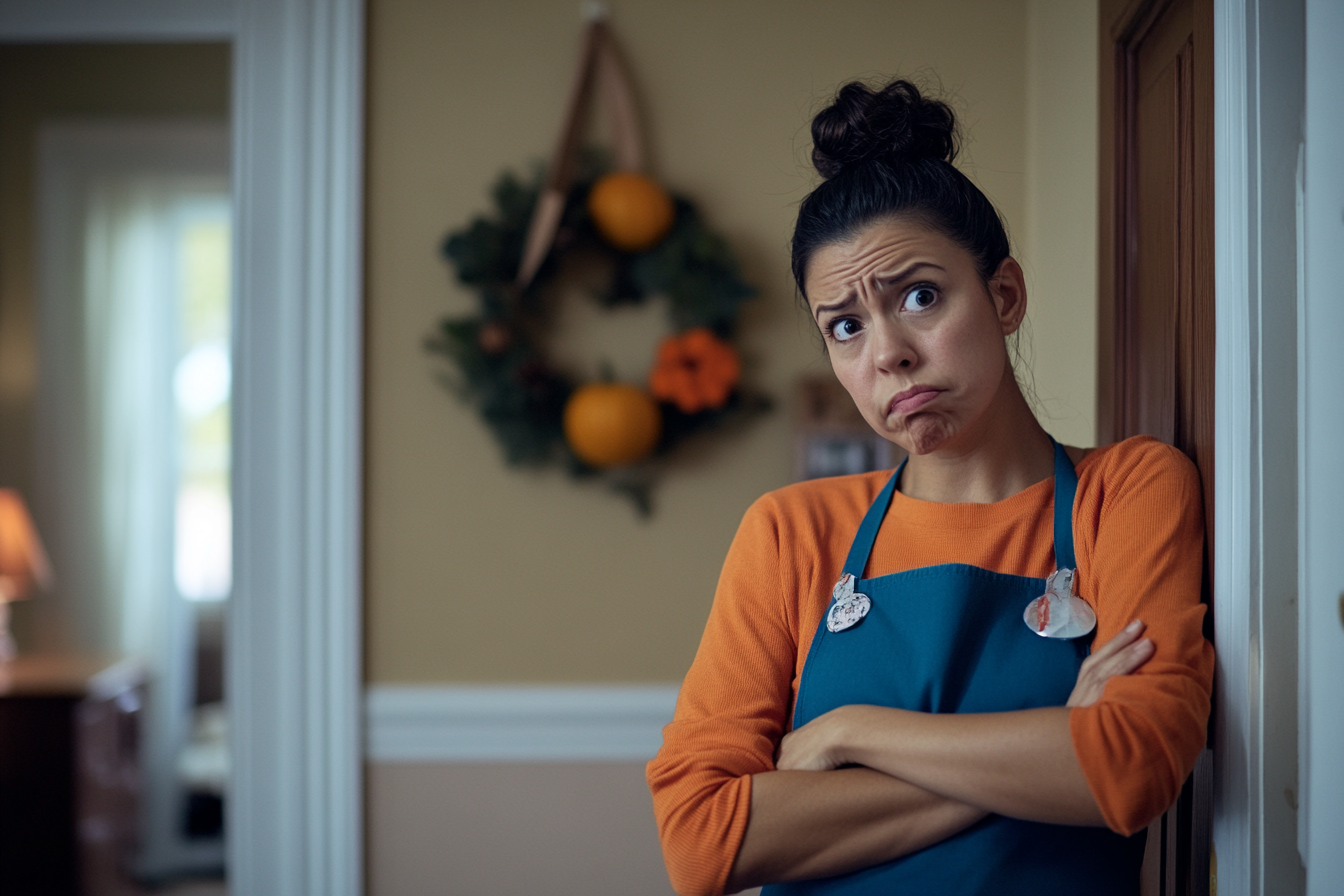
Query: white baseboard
[[501, 723]]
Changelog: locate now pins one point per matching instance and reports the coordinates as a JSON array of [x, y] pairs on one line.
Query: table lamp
[[23, 562]]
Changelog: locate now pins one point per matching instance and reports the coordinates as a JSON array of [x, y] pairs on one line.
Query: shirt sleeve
[[1139, 742], [731, 712]]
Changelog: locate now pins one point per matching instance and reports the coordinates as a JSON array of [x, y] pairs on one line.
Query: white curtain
[[129, 339], [111, 201]]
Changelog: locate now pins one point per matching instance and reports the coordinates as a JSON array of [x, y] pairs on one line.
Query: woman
[[869, 711]]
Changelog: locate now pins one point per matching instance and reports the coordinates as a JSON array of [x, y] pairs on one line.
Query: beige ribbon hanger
[[600, 66]]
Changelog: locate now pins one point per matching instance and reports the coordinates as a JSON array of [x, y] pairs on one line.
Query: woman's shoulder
[[803, 531], [1139, 463]]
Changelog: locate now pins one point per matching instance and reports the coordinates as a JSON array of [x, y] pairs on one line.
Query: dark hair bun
[[897, 123]]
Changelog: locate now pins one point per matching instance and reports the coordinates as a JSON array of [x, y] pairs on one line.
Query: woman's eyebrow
[[897, 277], [835, 306]]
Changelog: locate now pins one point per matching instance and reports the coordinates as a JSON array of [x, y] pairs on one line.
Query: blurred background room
[[114, 321], [292, 622]]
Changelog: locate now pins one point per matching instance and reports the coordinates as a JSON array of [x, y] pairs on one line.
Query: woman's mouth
[[912, 399]]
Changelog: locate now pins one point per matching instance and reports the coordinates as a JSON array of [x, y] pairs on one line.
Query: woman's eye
[[919, 299], [845, 329]]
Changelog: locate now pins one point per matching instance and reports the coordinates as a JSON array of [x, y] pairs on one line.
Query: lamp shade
[[23, 561]]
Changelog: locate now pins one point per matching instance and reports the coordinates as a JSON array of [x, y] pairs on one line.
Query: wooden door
[[1156, 351]]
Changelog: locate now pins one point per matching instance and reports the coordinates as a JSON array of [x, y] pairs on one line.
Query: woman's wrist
[[865, 734], [842, 735]]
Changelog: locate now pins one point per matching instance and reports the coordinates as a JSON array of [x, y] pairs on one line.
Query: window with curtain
[[133, 428]]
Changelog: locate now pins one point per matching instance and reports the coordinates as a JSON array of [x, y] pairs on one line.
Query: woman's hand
[[1119, 656], [815, 747]]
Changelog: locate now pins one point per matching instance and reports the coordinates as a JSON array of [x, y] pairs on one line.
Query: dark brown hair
[[888, 153]]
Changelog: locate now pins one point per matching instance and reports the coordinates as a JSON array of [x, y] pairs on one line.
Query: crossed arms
[[920, 779]]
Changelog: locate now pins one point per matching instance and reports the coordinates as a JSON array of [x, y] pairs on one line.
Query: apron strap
[[857, 561], [1066, 487]]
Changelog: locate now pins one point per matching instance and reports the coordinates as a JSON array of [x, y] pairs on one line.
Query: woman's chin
[[924, 434]]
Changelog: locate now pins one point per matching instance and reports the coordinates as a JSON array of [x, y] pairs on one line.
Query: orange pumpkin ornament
[[631, 211], [610, 424], [696, 371]]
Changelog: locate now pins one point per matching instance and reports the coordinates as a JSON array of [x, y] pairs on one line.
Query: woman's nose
[[892, 349]]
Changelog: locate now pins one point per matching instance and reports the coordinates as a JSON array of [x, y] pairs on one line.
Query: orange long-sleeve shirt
[[1138, 536]]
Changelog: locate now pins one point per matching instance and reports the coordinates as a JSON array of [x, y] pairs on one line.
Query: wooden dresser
[[68, 730]]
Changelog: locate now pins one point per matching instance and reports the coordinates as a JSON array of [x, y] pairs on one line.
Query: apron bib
[[950, 638]]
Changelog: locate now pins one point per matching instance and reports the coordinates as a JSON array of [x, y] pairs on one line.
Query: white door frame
[[1321, 808], [294, 676], [1258, 109]]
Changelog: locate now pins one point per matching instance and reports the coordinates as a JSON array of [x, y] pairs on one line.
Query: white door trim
[[1234, 824], [294, 671], [1258, 95], [123, 20], [1322, 431], [295, 808]]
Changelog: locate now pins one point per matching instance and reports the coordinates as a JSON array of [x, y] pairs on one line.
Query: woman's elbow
[[691, 884], [1142, 803], [692, 871], [699, 833]]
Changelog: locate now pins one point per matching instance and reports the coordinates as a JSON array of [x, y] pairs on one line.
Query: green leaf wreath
[[498, 359]]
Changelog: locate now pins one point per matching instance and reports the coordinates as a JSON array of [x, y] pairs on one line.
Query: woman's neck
[[1004, 453]]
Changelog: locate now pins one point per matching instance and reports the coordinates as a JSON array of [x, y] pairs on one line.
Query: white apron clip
[[847, 606], [1060, 612]]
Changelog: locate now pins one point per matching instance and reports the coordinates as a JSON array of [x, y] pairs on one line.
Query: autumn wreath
[[649, 242], [542, 414]]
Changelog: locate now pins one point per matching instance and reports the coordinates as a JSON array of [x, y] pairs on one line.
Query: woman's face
[[914, 334]]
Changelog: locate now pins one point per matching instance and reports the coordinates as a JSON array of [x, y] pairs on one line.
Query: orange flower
[[696, 370]]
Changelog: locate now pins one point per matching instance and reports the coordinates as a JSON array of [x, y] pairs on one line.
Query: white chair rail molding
[[503, 723]]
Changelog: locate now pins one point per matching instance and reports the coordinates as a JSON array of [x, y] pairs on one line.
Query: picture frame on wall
[[831, 438]]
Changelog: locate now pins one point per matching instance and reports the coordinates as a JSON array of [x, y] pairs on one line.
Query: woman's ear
[[1008, 289]]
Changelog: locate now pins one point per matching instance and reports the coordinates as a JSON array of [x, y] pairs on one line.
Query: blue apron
[[951, 638]]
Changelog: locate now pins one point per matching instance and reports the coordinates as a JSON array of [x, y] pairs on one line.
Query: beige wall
[[45, 83], [478, 573], [1057, 243]]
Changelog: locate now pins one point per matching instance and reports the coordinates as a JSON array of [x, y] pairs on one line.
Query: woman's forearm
[[809, 824], [1021, 764]]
